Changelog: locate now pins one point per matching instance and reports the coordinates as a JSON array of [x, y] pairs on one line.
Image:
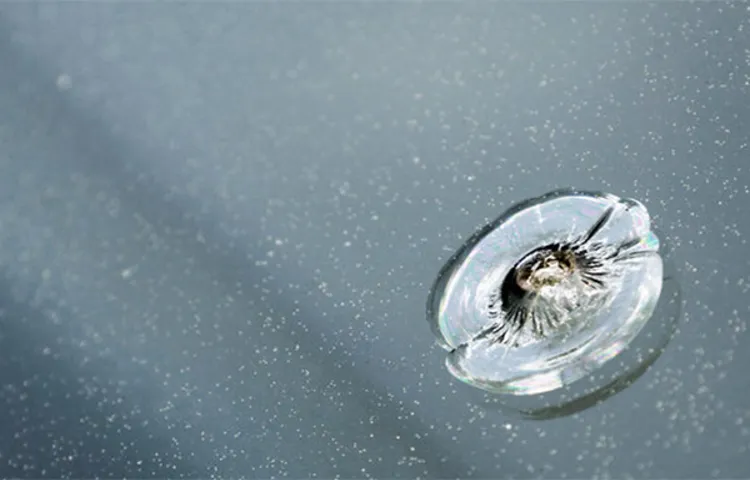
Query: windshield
[[221, 222]]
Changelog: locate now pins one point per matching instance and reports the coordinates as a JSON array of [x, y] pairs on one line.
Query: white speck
[[128, 272], [64, 82], [347, 244]]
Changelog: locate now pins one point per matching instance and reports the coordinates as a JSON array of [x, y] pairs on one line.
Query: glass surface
[[219, 223]]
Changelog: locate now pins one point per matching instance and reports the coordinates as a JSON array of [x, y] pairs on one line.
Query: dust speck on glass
[[550, 291]]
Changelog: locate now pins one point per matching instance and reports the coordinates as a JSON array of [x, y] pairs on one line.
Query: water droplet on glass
[[548, 292]]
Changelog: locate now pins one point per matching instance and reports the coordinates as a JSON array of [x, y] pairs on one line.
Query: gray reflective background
[[219, 223]]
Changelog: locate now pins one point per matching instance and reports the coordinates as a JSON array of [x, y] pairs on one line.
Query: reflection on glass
[[548, 293]]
